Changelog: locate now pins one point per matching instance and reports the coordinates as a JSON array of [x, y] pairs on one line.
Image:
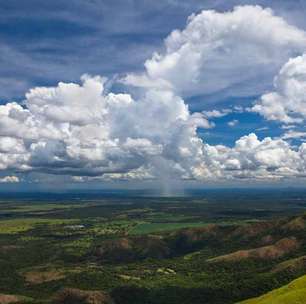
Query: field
[[215, 247]]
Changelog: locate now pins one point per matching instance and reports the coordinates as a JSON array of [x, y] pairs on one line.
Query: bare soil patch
[[78, 296], [36, 277], [279, 249], [7, 299]]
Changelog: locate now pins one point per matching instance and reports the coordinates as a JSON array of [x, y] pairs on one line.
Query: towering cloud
[[223, 51], [81, 130]]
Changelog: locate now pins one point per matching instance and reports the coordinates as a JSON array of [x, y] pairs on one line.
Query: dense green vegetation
[[149, 250], [144, 228]]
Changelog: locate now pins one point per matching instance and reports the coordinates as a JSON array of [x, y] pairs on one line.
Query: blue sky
[[50, 41], [43, 43]]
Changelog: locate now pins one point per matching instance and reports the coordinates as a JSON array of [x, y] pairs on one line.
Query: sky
[[114, 94]]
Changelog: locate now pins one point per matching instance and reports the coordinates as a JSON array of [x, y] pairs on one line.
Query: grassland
[[15, 226], [293, 293]]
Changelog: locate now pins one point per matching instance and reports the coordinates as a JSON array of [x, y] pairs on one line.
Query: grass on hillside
[[293, 293]]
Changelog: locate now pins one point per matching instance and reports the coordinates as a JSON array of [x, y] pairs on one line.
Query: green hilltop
[[293, 293]]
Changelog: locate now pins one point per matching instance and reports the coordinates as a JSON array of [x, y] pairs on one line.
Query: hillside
[[293, 293], [277, 250]]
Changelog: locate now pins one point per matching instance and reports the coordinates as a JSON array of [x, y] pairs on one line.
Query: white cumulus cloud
[[81, 130], [113, 136], [233, 123], [252, 158], [223, 51], [9, 179], [287, 103]]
